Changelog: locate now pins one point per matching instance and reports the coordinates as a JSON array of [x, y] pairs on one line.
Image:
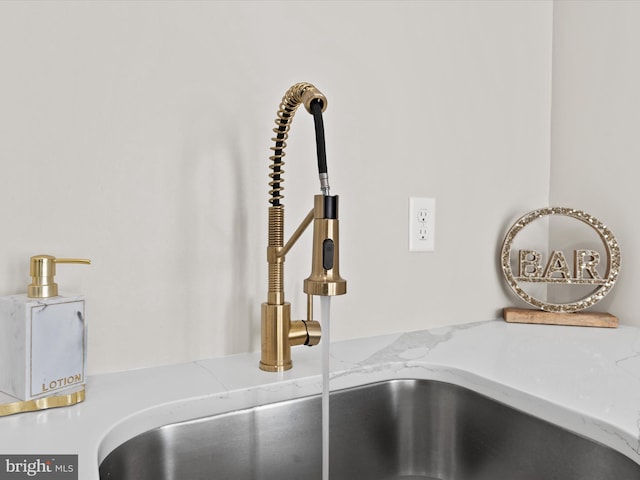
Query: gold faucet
[[279, 332]]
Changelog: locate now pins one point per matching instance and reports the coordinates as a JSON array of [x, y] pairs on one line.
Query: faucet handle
[[305, 332]]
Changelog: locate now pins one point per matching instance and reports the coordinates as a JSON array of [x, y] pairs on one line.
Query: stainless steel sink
[[402, 429]]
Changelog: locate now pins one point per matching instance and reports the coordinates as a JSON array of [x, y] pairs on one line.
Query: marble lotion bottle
[[42, 341]]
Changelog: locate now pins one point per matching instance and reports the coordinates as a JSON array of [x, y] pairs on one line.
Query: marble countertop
[[584, 379]]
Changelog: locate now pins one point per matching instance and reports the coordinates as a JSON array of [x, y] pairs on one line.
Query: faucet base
[[275, 368], [279, 334], [276, 350]]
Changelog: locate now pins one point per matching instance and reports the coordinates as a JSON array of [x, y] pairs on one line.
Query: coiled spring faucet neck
[[315, 103]]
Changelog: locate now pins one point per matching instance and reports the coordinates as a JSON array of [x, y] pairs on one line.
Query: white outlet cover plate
[[419, 221]]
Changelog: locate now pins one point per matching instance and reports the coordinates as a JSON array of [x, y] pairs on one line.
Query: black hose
[[316, 109]]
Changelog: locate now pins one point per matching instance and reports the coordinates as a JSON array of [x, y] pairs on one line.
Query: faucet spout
[[279, 332]]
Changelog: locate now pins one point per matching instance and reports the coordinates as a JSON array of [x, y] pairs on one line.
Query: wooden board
[[581, 319]]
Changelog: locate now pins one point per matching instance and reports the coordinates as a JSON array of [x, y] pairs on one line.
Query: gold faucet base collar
[[275, 368]]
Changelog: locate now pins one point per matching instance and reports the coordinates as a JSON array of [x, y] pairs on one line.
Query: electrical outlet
[[422, 224]]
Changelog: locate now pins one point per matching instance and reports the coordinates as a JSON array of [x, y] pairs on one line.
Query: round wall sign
[[554, 271]]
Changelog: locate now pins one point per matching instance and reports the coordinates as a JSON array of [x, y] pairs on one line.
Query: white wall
[[137, 134], [596, 140]]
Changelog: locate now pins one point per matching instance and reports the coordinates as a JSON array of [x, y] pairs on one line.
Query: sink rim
[[291, 389], [390, 385]]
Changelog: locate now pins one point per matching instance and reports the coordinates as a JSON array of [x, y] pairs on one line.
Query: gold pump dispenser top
[[42, 269]]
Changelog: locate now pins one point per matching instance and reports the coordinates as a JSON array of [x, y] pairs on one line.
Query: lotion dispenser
[[42, 343]]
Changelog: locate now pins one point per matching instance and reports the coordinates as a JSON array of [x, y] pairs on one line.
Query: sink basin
[[400, 429]]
